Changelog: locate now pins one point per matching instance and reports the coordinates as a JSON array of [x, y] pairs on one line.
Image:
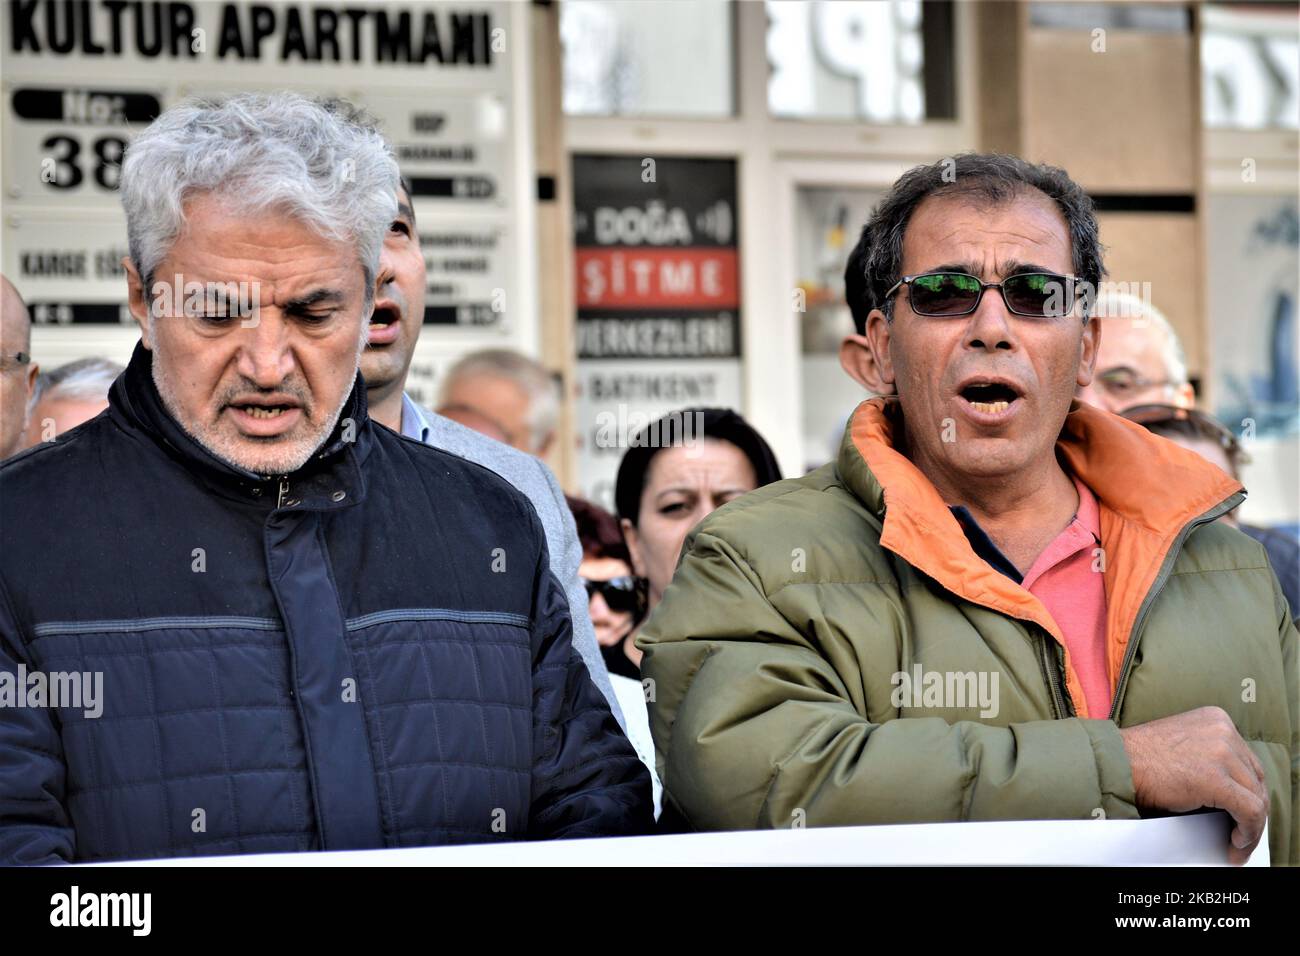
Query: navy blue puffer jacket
[[369, 653]]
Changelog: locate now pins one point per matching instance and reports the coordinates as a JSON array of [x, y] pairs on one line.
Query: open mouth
[[990, 398], [266, 417], [264, 411], [384, 323]]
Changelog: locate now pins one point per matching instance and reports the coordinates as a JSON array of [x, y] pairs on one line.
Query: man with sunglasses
[[997, 602], [17, 370]]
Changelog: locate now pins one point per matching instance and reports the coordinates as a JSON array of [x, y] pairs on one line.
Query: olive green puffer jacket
[[774, 652]]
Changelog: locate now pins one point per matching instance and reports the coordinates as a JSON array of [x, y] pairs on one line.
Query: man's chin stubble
[[280, 466], [219, 447]]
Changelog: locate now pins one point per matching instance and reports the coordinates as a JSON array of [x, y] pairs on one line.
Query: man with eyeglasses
[[997, 603], [1139, 358], [504, 395], [17, 370]]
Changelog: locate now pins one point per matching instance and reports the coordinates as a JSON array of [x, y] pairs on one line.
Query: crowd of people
[[327, 617]]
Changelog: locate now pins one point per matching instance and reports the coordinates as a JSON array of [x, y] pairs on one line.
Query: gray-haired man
[[309, 632], [67, 396]]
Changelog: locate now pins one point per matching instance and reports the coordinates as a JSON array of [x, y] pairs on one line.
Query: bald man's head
[[15, 321], [1140, 360], [17, 370]]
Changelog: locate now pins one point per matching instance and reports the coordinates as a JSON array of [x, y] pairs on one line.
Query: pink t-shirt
[[1064, 579]]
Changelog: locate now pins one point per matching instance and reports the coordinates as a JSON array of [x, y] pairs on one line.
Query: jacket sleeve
[[34, 825], [1286, 849], [754, 728], [587, 779], [566, 556]]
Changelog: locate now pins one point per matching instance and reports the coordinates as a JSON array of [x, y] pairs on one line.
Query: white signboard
[[616, 398], [442, 78]]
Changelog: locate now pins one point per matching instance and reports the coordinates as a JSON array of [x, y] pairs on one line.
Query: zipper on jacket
[[1166, 569], [1051, 674], [284, 491]]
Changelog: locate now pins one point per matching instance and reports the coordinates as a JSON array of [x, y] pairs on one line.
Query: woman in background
[[676, 471], [616, 597]]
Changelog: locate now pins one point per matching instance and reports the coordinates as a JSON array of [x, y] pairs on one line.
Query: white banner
[[1197, 840]]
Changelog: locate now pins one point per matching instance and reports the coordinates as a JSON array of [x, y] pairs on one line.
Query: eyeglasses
[[1038, 295], [619, 593], [14, 361], [1189, 422], [1122, 382]]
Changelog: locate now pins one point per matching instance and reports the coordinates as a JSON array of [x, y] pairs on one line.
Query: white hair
[[531, 376], [312, 159], [1125, 305], [85, 380]]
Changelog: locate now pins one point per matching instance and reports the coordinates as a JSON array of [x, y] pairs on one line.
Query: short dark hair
[[855, 282], [410, 200], [985, 178], [675, 429]]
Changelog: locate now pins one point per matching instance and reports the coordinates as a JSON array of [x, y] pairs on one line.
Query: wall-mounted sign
[[197, 33], [658, 295], [82, 77], [466, 266]]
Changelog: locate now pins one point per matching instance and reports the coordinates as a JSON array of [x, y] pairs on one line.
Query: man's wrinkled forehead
[[963, 233], [217, 243]]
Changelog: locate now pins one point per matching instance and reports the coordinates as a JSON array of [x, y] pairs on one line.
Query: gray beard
[[284, 466]]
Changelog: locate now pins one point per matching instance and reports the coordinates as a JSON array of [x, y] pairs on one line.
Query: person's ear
[[633, 541], [1088, 348], [859, 363], [137, 301], [1185, 396], [866, 358]]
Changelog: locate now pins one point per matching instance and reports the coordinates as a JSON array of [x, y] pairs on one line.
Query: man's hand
[[1197, 759]]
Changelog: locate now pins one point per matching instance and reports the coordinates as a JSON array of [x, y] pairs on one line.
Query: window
[[887, 63], [647, 58], [1250, 68]]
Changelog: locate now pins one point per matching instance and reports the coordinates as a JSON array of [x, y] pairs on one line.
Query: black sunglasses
[[619, 593], [1038, 295], [1190, 422]]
